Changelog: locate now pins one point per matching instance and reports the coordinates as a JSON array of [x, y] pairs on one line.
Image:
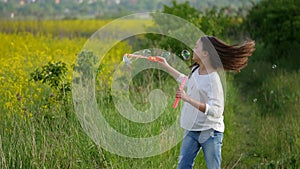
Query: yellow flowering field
[[28, 45], [32, 115], [21, 53]]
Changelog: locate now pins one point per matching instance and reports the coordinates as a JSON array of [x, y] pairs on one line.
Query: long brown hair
[[230, 57]]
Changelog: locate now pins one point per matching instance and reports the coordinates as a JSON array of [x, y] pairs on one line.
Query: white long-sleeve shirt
[[207, 89]]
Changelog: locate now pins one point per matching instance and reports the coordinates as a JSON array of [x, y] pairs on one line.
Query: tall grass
[[49, 139], [278, 127], [47, 142], [274, 97]]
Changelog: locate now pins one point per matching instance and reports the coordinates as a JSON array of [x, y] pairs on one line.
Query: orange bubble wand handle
[[180, 88], [154, 59]]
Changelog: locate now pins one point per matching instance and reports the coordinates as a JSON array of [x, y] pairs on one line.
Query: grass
[[58, 142], [51, 140]]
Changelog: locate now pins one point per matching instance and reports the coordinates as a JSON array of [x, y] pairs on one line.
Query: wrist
[[186, 98], [165, 64]]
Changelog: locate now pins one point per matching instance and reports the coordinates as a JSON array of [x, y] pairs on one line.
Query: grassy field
[[39, 127]]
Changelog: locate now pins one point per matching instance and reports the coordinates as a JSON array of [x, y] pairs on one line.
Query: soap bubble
[[166, 54], [126, 59], [147, 52], [186, 54], [255, 100]]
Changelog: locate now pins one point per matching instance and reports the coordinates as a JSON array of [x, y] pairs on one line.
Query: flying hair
[[226, 56]]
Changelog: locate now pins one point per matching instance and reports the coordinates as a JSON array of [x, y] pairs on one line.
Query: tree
[[212, 22], [276, 23]]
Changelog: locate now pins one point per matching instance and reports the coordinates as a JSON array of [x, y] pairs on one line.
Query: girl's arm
[[175, 73], [195, 103]]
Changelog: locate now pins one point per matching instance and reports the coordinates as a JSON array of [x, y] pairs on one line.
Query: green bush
[[276, 24]]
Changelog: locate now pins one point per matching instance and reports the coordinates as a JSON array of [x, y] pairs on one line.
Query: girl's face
[[198, 54]]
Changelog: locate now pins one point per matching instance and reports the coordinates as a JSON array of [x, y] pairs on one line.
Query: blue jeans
[[211, 143]]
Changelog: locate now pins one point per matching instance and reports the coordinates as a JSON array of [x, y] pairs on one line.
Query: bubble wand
[[151, 58], [185, 54], [180, 88]]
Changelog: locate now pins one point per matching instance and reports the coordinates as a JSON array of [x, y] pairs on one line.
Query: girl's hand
[[181, 94], [162, 60]]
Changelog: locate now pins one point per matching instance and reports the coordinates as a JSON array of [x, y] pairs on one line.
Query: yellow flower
[[8, 105], [35, 96]]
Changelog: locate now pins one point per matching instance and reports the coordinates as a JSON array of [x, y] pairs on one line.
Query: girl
[[202, 112]]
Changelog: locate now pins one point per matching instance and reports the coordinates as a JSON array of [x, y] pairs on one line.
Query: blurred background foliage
[[100, 9]]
